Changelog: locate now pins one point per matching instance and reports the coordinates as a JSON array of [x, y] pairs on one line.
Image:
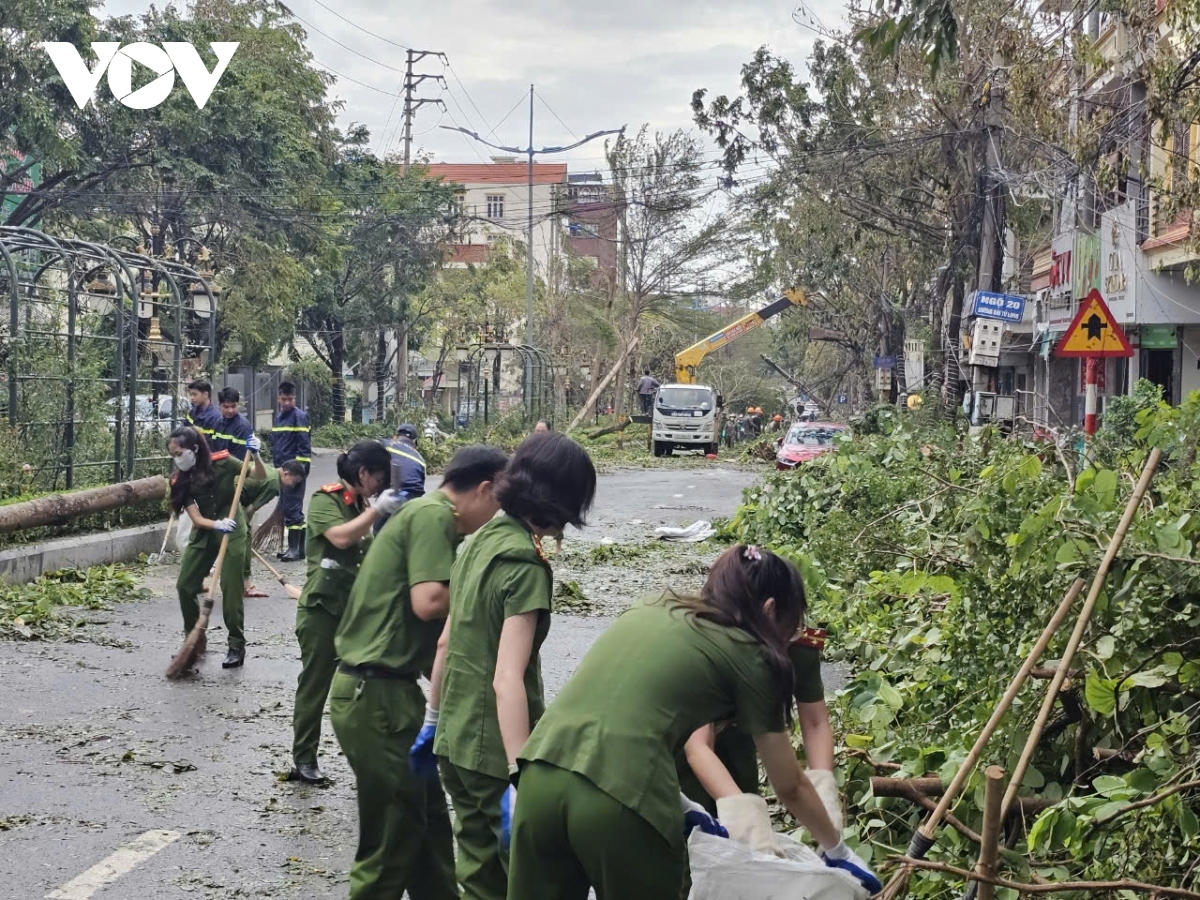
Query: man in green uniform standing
[[388, 637], [339, 533]]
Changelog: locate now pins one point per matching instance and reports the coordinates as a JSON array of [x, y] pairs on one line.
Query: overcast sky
[[597, 65]]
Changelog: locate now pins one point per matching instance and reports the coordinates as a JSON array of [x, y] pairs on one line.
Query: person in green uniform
[[256, 497], [339, 531], [490, 694], [719, 760], [598, 801], [387, 639], [203, 486]]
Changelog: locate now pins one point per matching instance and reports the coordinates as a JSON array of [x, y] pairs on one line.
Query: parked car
[[805, 441]]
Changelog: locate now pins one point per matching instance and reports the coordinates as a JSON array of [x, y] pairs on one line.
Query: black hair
[[293, 468], [202, 386], [186, 485], [647, 371], [738, 584], [287, 389], [549, 482], [229, 395], [369, 455], [472, 466]]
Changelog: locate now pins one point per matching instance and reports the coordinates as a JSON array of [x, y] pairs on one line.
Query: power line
[[358, 53], [359, 27], [570, 130], [370, 87]]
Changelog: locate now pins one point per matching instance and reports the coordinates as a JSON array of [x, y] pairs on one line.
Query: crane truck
[[685, 413]]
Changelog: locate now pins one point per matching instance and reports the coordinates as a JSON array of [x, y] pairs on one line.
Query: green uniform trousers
[[482, 866], [197, 561], [315, 628], [404, 838], [568, 835]]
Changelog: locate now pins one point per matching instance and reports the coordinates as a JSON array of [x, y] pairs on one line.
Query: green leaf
[[1149, 679], [1188, 823], [1143, 780], [860, 741], [1031, 468], [1067, 553], [1105, 486], [1106, 646], [1104, 785], [1100, 694], [1034, 779], [890, 696]]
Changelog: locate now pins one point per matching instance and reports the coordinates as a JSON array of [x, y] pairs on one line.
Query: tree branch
[[1142, 804]]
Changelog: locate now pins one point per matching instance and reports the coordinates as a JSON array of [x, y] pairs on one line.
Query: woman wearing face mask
[[340, 516], [598, 801], [203, 486], [491, 689]]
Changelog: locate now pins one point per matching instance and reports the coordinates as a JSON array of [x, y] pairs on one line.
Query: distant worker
[[202, 415], [291, 440], [408, 466], [647, 387], [542, 427], [234, 428]]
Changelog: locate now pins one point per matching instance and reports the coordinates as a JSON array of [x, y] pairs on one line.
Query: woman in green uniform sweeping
[[598, 803], [491, 690], [203, 486], [340, 516], [387, 639]]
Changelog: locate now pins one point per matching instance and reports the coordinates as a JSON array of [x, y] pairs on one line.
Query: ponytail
[[369, 455]]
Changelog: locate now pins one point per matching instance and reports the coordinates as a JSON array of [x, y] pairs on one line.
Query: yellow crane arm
[[687, 360]]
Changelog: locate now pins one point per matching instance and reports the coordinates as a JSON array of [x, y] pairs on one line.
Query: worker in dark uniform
[[234, 429], [408, 467], [202, 415], [291, 440]]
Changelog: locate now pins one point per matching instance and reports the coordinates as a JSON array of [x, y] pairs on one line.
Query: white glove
[[253, 444], [387, 502], [224, 525], [746, 819], [827, 789], [842, 857]]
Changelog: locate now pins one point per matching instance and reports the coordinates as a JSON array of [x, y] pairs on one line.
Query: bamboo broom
[[197, 640], [292, 591]]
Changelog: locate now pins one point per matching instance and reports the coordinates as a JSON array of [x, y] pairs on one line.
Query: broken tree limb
[[604, 382], [1049, 888], [989, 847], [928, 790], [57, 509], [620, 426], [795, 382]]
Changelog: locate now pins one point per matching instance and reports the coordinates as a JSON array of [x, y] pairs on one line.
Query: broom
[[268, 537], [197, 639], [292, 590]]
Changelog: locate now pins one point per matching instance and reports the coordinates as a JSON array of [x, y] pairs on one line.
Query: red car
[[805, 441]]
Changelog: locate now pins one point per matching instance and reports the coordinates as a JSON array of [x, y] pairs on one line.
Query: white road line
[[120, 862]]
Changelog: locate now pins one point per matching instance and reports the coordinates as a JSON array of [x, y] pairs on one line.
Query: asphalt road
[[98, 750]]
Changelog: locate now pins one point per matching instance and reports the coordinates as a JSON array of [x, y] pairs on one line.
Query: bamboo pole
[[989, 848]]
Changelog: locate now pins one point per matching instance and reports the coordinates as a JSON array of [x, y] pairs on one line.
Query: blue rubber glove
[[253, 444], [696, 816], [225, 526], [508, 808], [842, 857], [420, 758]]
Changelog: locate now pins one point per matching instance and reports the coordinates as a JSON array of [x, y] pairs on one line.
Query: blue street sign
[[1005, 307], [885, 362], [841, 398]]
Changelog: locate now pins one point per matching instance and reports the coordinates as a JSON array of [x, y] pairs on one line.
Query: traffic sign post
[[1093, 335]]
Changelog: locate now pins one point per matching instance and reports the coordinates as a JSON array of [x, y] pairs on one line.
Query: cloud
[[597, 65]]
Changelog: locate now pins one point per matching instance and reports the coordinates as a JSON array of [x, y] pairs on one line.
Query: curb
[[24, 564]]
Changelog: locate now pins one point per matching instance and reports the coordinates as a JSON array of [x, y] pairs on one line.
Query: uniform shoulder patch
[[348, 498], [220, 454], [332, 488], [811, 637]]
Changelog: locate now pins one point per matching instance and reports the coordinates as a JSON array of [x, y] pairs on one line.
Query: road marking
[[120, 862]]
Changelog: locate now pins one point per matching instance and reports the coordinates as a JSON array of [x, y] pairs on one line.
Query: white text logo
[[164, 61]]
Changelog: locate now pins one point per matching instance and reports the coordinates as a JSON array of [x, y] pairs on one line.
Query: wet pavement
[[97, 748]]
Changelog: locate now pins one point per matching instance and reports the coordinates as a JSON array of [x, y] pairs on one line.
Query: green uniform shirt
[[735, 749], [379, 626], [501, 573], [214, 502], [331, 571], [260, 494], [654, 677]]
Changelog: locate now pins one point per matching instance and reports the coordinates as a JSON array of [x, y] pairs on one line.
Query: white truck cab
[[685, 418]]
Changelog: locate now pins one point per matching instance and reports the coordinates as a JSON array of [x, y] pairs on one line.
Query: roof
[[474, 254], [499, 173]]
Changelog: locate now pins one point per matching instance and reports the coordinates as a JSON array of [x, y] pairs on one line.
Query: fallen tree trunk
[[921, 790], [604, 382], [620, 426], [57, 509]]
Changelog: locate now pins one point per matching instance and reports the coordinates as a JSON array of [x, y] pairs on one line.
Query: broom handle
[[1085, 615], [929, 829], [233, 508], [270, 568]]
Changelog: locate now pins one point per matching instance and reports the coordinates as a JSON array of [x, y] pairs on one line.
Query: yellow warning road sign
[[1093, 332]]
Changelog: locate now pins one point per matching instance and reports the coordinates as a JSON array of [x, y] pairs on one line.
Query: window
[[495, 206]]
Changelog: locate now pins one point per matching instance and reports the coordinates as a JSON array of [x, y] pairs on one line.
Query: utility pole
[[412, 103], [530, 152]]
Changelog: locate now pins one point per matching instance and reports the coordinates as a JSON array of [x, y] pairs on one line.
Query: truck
[[685, 418]]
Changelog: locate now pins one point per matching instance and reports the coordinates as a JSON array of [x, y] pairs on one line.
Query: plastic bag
[[183, 531], [726, 870]]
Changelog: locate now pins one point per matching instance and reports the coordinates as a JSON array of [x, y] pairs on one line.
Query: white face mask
[[185, 460]]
